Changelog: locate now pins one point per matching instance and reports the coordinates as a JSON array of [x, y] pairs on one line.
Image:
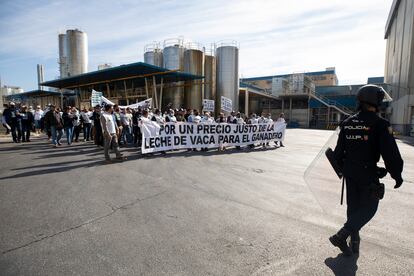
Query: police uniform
[[363, 138]]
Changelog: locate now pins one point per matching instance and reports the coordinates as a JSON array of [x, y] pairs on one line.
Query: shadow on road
[[342, 265]]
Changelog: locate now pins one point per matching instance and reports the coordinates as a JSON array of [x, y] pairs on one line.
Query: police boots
[[339, 240], [354, 243]]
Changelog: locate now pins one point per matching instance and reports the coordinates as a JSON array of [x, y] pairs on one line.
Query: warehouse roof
[[391, 16], [317, 73], [36, 93], [134, 71]]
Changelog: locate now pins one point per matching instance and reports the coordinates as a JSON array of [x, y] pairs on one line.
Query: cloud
[[275, 36]]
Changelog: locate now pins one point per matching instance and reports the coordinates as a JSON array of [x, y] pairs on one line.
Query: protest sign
[[208, 105], [96, 98], [206, 135], [226, 104]]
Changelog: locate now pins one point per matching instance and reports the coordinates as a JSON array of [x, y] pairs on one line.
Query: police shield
[[323, 181]]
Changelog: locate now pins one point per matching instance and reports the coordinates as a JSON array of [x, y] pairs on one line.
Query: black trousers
[[76, 131], [16, 131], [99, 139], [361, 205], [26, 128], [137, 134]]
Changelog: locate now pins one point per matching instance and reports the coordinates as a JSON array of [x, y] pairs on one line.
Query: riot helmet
[[372, 95]]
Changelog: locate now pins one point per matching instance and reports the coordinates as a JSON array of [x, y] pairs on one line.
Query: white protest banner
[[143, 104], [172, 136], [226, 104], [105, 101], [208, 105], [96, 98]]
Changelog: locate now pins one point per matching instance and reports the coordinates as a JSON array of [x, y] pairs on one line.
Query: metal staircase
[[331, 103]]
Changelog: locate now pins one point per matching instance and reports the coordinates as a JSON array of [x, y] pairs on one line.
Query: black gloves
[[398, 183], [381, 172]]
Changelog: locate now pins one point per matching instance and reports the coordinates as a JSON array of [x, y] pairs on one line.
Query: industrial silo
[[77, 52], [227, 74], [63, 66], [173, 59], [153, 54], [194, 64], [209, 75]]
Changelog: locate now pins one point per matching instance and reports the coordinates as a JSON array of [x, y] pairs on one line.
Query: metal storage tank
[[194, 64], [209, 77], [63, 67], [153, 54], [77, 52], [173, 59], [227, 73]]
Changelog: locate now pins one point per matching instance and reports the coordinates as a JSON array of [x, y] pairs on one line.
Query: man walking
[[110, 130], [363, 138], [13, 119], [54, 122], [27, 120]]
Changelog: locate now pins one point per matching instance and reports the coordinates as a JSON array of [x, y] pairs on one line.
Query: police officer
[[363, 138]]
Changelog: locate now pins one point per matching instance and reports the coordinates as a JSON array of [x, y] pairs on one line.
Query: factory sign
[[208, 105], [226, 104]]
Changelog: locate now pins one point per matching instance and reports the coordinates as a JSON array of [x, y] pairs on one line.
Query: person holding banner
[[238, 120], [281, 119], [96, 118], [110, 129], [143, 120], [221, 120], [253, 121]]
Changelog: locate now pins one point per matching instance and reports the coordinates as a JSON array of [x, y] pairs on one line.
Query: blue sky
[[276, 37]]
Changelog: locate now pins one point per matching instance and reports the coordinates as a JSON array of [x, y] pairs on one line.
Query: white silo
[[63, 66], [153, 54], [227, 73], [77, 52], [194, 64], [173, 59]]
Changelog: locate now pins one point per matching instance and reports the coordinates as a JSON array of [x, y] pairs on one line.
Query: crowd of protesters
[[109, 127]]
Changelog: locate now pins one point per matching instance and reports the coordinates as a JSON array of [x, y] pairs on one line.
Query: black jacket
[[27, 118], [363, 138]]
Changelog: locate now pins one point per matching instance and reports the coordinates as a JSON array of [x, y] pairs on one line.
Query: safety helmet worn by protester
[[372, 95]]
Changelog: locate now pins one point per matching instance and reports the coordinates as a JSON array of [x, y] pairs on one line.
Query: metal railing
[[331, 103]]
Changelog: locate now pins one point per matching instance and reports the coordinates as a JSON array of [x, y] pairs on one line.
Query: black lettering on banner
[[186, 129], [169, 129]]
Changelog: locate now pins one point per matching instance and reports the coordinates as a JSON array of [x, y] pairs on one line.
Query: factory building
[[41, 97], [399, 64], [311, 100], [124, 85]]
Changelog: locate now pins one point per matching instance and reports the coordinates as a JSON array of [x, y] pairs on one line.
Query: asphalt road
[[64, 212]]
